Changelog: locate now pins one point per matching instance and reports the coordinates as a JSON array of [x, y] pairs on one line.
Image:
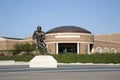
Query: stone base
[[43, 61]]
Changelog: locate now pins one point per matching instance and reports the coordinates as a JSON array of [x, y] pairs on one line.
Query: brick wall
[[113, 37], [109, 41]]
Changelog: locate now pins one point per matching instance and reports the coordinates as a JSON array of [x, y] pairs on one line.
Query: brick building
[[71, 39], [107, 43]]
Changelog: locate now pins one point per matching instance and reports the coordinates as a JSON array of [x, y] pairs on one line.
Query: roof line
[[12, 38]]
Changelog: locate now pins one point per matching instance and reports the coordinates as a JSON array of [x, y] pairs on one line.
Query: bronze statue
[[39, 35]]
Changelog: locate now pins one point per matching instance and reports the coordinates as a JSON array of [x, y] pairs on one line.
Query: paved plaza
[[63, 72]]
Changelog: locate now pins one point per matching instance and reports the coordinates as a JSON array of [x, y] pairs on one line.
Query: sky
[[19, 18]]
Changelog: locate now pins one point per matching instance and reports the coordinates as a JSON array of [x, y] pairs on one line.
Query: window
[[106, 50], [98, 50], [113, 50]]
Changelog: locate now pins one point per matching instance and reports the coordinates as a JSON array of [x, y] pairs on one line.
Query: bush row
[[24, 58], [85, 58], [72, 58]]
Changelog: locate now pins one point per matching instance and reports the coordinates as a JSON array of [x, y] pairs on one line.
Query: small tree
[[17, 49], [24, 47]]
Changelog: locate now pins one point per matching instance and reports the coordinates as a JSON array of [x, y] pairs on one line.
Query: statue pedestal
[[43, 61]]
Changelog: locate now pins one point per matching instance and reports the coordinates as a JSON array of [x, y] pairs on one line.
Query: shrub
[[25, 58], [86, 58], [24, 47], [72, 58], [6, 58]]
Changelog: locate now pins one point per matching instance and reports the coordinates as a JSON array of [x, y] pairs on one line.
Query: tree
[[24, 47]]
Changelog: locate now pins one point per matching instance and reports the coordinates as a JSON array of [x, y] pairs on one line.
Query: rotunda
[[69, 39]]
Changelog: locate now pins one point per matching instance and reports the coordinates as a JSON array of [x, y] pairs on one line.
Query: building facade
[[71, 39], [107, 43]]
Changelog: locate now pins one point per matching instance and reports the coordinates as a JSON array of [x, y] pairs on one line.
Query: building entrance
[[64, 48]]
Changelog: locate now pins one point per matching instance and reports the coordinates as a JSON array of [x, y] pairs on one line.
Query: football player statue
[[39, 35]]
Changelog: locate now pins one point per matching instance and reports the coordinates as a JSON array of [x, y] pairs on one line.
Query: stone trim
[[68, 34], [69, 42], [106, 41]]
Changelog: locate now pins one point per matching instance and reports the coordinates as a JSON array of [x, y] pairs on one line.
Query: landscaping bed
[[72, 58]]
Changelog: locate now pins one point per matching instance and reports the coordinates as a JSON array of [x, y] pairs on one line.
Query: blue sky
[[19, 18]]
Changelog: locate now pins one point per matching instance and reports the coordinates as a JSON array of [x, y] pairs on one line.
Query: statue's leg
[[44, 49], [40, 46], [45, 52]]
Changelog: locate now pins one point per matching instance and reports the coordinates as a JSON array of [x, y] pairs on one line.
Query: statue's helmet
[[39, 28]]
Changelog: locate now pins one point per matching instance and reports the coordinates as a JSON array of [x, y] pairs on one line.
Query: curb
[[86, 64], [21, 63], [12, 62]]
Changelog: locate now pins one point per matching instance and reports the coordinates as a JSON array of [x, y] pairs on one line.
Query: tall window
[[113, 50], [98, 50], [106, 50]]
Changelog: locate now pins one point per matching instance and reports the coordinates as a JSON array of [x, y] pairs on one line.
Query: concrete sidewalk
[[12, 62]]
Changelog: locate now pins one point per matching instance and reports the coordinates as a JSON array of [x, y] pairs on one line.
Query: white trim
[[88, 48], [56, 44], [78, 47], [68, 42], [67, 36], [106, 41], [107, 34], [68, 33]]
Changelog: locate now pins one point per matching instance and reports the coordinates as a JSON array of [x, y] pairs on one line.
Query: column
[[78, 47], [88, 48], [56, 48]]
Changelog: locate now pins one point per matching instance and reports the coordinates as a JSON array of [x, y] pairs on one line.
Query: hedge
[[24, 58], [86, 58], [72, 58]]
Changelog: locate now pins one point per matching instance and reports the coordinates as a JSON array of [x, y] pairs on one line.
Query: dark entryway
[[67, 48]]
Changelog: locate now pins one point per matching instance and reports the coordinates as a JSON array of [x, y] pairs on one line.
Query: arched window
[[98, 50], [106, 50], [113, 50]]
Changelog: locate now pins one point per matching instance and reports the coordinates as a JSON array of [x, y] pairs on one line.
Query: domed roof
[[66, 29]]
